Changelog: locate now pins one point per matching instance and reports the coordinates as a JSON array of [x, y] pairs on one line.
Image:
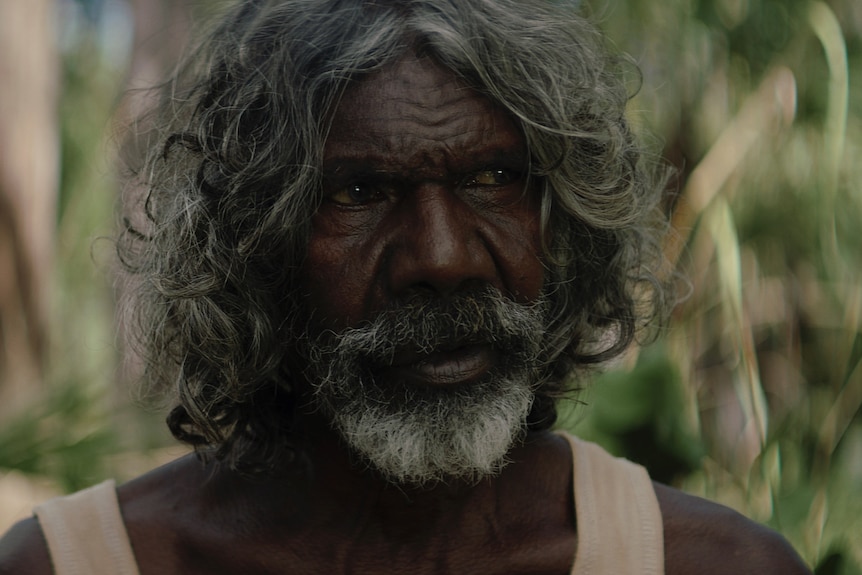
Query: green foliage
[[62, 437], [642, 414], [766, 350]]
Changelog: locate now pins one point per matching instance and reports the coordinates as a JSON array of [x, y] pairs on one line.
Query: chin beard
[[420, 435]]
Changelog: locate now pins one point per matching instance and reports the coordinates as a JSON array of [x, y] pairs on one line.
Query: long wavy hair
[[231, 179]]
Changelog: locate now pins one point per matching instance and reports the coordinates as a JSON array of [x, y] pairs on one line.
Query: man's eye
[[490, 178], [356, 195]]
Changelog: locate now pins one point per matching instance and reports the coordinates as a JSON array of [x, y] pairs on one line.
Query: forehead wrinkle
[[439, 106], [404, 139], [404, 114], [416, 116], [416, 90], [398, 151]]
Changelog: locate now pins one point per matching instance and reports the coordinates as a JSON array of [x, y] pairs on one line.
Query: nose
[[439, 246]]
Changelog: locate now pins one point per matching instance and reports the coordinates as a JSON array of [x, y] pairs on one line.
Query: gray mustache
[[423, 325]]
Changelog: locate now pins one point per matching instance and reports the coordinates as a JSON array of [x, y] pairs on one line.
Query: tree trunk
[[29, 159]]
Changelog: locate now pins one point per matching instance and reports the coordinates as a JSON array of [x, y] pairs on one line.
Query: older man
[[380, 240]]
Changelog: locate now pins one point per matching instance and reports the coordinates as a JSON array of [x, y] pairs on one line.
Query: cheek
[[529, 272], [519, 253], [336, 279]]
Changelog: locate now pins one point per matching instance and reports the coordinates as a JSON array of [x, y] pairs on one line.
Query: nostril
[[425, 291]]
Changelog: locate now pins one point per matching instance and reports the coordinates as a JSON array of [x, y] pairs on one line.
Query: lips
[[453, 366]]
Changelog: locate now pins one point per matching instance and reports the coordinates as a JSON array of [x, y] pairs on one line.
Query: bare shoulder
[[23, 550], [705, 537]]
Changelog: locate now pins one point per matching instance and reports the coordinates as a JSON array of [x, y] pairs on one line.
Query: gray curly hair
[[231, 180]]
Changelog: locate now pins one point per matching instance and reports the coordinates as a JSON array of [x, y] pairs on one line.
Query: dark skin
[[425, 192]]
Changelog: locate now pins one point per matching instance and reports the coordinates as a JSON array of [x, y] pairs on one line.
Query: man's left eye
[[490, 178]]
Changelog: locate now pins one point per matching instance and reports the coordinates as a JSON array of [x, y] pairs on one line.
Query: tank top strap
[[85, 533], [619, 521]]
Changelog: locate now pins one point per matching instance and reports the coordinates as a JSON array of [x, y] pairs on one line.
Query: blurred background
[[751, 396]]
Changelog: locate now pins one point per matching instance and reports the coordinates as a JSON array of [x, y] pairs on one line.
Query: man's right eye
[[356, 194]]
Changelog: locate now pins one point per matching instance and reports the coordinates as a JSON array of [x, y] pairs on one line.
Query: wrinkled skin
[[424, 194], [413, 136]]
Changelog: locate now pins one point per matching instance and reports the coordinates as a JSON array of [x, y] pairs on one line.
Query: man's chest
[[544, 553]]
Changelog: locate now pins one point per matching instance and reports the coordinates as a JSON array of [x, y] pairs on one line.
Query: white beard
[[462, 435], [417, 435]]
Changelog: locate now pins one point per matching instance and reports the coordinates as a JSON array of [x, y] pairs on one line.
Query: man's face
[[428, 229], [424, 192]]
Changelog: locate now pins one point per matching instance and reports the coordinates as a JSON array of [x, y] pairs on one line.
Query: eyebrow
[[382, 166]]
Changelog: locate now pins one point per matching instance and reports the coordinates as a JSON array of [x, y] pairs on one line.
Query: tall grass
[[764, 355]]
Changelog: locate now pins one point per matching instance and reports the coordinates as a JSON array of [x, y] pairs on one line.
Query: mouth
[[447, 367]]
